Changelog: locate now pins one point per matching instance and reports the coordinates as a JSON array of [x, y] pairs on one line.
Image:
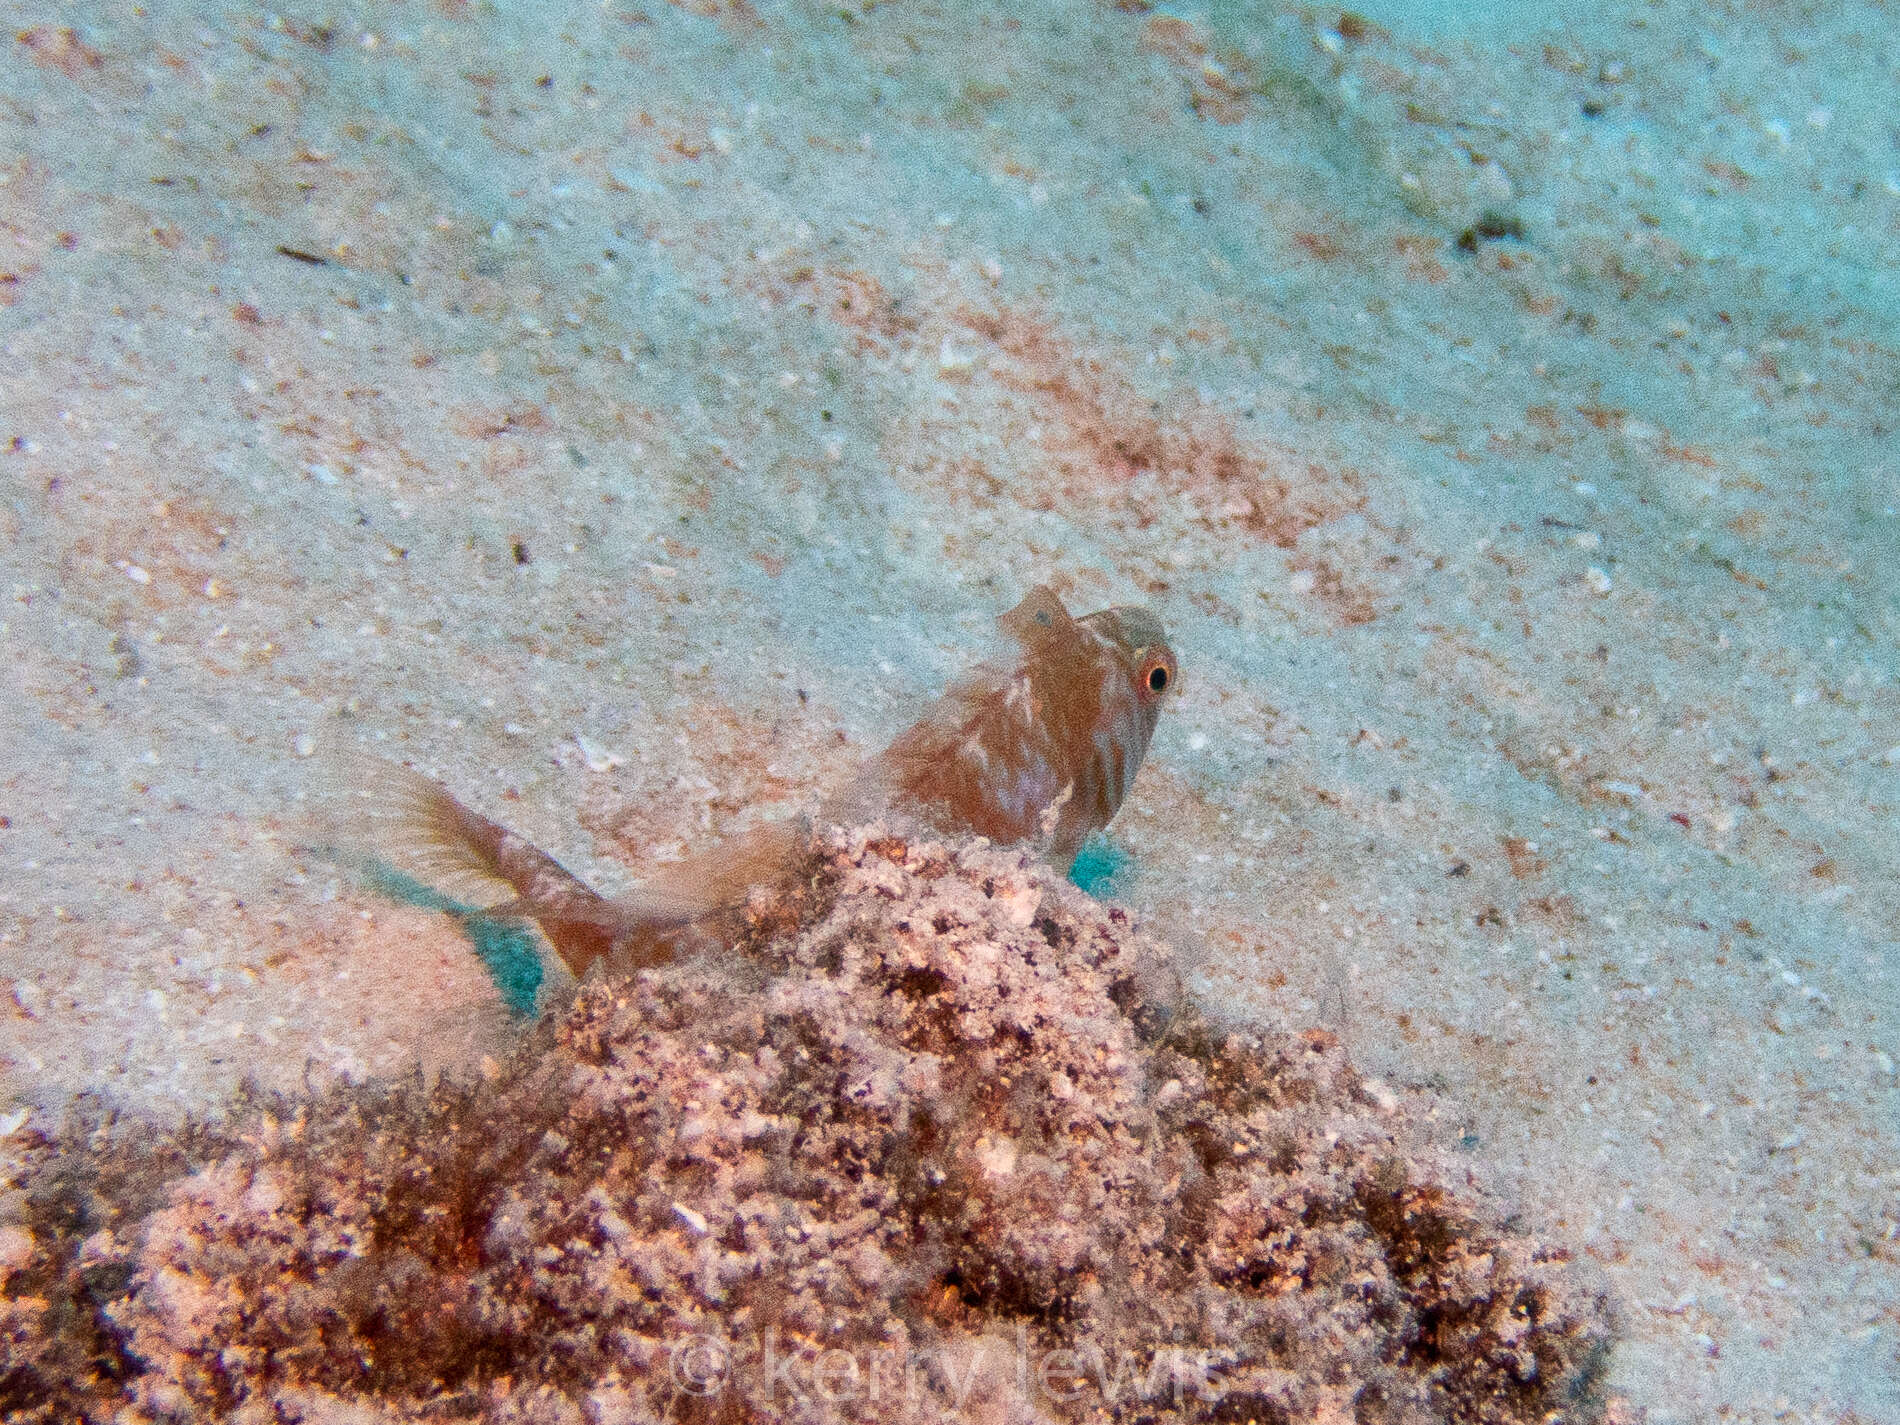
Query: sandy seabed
[[633, 414]]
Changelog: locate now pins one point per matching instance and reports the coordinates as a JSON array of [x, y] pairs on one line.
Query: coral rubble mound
[[944, 1146]]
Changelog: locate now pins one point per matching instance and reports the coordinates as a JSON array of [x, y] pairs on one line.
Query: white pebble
[[1597, 579], [599, 759]]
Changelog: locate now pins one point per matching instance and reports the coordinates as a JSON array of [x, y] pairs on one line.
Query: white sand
[[787, 348]]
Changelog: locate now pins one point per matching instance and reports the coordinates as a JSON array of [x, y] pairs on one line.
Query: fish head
[[1041, 745], [1104, 676], [1125, 676], [1141, 655]]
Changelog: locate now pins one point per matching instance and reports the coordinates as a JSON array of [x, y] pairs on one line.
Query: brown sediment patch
[[1024, 413], [1219, 88], [1522, 857], [1558, 911], [859, 301], [1102, 433], [131, 548], [849, 297], [949, 1131], [61, 50], [738, 17], [487, 422], [1322, 247], [1178, 41], [1347, 603], [1066, 426], [1420, 254]]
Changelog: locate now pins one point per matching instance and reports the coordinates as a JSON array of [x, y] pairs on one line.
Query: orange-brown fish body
[[1046, 747], [1042, 748]]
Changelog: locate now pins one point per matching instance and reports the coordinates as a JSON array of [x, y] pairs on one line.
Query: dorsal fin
[[1038, 619]]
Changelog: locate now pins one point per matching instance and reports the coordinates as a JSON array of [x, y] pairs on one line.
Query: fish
[[1039, 746], [1043, 747]]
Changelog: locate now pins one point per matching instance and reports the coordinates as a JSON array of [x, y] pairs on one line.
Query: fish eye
[[1157, 679], [1156, 675]]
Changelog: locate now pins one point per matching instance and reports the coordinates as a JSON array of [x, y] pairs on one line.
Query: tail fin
[[433, 837], [419, 828], [426, 832]]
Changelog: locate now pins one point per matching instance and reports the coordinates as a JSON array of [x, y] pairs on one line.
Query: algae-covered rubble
[[943, 1142]]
